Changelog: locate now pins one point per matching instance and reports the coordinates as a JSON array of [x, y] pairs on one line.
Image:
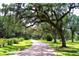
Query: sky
[[76, 11]]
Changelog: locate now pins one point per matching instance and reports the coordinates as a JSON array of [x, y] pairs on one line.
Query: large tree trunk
[[55, 36], [62, 39], [72, 36], [61, 32]]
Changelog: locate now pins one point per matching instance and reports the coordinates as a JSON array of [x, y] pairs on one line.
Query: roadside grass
[[12, 49], [71, 50]]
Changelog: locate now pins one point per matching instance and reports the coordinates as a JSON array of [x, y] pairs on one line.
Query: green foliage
[[17, 16], [10, 41], [71, 50], [11, 49], [48, 37], [77, 37], [67, 35]]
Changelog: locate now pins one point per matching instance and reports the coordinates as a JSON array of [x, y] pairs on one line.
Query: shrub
[[77, 37], [4, 42], [48, 37], [9, 41], [21, 39]]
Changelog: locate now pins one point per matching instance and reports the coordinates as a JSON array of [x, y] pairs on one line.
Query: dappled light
[[39, 29]]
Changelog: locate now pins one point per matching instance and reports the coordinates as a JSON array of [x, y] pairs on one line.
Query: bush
[[9, 41], [4, 42], [26, 36], [77, 37], [48, 37]]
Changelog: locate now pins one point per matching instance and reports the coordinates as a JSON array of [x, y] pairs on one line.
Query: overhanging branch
[[55, 14], [71, 7]]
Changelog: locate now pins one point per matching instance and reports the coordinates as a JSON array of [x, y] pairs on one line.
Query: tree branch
[[31, 25], [64, 15], [55, 14], [71, 7]]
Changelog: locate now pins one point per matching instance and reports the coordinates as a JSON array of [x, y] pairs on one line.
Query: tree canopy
[[18, 16]]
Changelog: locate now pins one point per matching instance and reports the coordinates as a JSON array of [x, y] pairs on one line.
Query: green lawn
[[11, 49], [71, 50]]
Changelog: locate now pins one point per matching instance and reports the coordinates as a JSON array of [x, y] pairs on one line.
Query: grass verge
[[72, 50], [11, 49]]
